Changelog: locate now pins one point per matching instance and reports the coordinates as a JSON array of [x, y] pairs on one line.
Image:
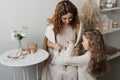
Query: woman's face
[[67, 18], [85, 42]]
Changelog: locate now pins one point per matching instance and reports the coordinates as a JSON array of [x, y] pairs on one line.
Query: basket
[[110, 50]]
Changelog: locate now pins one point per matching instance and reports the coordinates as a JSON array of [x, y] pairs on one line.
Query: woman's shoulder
[[49, 28], [50, 25], [79, 26]]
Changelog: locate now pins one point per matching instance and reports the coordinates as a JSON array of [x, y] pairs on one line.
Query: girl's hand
[[57, 47]]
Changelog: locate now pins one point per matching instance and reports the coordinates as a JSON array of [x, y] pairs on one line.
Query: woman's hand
[[57, 47], [70, 42]]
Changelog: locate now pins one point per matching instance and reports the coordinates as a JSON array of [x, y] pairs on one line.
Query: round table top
[[28, 60]]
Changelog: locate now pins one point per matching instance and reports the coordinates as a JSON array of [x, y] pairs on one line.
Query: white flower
[[12, 36], [18, 34], [24, 34]]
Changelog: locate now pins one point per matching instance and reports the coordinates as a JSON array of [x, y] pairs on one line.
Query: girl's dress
[[80, 61]]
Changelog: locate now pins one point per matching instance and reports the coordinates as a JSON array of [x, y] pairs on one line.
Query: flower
[[19, 34]]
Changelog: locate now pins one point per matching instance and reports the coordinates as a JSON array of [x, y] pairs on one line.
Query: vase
[[19, 48]]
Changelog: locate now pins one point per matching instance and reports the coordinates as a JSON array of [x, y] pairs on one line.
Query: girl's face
[[85, 42], [67, 18]]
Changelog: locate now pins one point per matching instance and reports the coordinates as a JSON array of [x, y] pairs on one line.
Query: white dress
[[80, 61], [60, 72], [52, 71]]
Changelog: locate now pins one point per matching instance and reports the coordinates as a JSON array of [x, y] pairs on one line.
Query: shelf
[[111, 30], [113, 56], [109, 9]]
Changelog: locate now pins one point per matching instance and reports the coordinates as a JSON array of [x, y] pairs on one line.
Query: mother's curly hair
[[62, 8]]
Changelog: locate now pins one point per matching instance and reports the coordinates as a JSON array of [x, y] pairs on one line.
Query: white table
[[30, 59]]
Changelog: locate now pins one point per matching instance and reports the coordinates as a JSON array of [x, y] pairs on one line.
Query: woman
[[63, 26]]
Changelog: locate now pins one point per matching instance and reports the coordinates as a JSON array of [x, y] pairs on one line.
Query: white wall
[[30, 13]]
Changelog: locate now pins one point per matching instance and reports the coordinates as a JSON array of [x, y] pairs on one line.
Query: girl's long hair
[[98, 63], [62, 8]]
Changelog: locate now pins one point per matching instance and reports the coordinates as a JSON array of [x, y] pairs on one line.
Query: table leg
[[27, 74], [13, 70], [24, 78], [37, 73]]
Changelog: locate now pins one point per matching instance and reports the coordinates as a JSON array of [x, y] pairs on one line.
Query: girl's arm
[[59, 58], [77, 60], [73, 60]]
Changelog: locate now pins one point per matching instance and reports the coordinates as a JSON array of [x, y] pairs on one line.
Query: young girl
[[93, 62]]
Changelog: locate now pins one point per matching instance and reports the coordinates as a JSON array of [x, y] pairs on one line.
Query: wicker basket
[[110, 50]]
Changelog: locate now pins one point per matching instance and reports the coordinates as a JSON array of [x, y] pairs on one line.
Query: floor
[[114, 70]]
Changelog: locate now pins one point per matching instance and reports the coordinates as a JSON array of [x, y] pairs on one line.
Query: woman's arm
[[50, 36], [53, 45]]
